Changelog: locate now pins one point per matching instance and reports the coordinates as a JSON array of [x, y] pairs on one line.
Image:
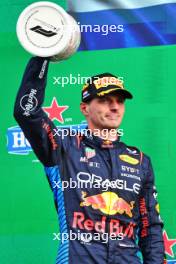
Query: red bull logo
[[108, 203], [115, 226], [107, 144]]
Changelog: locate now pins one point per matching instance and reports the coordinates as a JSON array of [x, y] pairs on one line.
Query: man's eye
[[102, 100], [120, 100]]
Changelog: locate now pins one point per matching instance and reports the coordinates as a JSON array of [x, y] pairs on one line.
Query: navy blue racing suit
[[103, 191]]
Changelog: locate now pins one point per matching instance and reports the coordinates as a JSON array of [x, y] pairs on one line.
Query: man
[[107, 210]]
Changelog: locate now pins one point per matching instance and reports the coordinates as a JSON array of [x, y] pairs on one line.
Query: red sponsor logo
[[114, 226], [144, 216], [50, 136]]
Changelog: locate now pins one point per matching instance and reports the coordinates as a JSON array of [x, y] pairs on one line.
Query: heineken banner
[[134, 40]]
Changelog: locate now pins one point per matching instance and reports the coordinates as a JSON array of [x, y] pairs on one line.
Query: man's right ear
[[84, 107]]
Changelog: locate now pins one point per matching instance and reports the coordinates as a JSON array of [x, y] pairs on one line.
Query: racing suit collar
[[100, 142]]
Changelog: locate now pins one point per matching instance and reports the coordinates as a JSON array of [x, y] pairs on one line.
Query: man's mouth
[[113, 117]]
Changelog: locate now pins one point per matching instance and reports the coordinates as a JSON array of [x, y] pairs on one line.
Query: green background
[[27, 214]]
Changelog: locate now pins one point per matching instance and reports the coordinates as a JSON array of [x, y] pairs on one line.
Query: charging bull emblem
[[108, 203]]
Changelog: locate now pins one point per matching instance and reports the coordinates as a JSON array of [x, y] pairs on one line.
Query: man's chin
[[111, 126]]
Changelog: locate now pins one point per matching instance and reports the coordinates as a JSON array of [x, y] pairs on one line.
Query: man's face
[[104, 112]]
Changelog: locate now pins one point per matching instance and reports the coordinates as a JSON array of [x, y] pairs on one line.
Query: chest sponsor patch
[[90, 153], [128, 159]]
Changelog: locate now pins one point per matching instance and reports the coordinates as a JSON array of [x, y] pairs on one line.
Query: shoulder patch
[[129, 159], [133, 150]]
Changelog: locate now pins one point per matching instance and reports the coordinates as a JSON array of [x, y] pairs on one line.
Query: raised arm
[[36, 125]]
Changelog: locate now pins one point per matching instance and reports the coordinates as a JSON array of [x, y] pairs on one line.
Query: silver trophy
[[45, 29]]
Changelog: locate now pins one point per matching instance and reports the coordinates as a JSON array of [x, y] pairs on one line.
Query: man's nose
[[114, 105]]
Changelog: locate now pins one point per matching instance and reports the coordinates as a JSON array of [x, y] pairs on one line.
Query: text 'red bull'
[[115, 226]]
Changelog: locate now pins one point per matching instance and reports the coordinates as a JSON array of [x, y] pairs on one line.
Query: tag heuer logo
[[90, 153]]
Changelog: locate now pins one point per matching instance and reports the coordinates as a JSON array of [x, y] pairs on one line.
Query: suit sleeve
[[150, 235], [37, 127]]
